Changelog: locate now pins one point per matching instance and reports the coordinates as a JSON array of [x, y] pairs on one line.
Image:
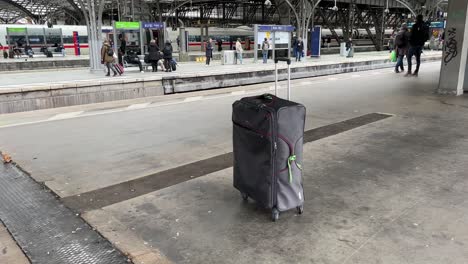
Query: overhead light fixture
[[267, 2], [335, 8], [386, 9]]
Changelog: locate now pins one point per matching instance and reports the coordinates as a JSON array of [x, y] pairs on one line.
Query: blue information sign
[[274, 28], [435, 24], [315, 38], [153, 25]]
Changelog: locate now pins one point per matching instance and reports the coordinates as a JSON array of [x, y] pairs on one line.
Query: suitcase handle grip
[[287, 60]]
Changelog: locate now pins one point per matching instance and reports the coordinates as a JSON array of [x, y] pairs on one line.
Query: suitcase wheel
[[275, 215], [245, 197], [300, 209]]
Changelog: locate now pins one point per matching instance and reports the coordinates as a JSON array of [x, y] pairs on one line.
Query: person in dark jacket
[[401, 47], [349, 48], [153, 56], [220, 45], [299, 49], [167, 54], [132, 58], [122, 49], [419, 36], [209, 51]]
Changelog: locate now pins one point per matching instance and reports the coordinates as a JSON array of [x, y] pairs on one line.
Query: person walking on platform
[[239, 50], [167, 53], [419, 36], [299, 49], [220, 45], [107, 57], [349, 48], [328, 42], [265, 49], [153, 55], [401, 47], [209, 51]]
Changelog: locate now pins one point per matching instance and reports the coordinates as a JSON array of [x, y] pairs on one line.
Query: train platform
[[40, 62], [384, 176], [42, 89]]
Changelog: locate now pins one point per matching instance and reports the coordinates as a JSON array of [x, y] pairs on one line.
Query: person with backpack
[[107, 57], [167, 54], [419, 36], [265, 49], [209, 51], [401, 47]]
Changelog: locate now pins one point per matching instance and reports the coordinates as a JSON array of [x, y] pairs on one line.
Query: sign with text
[[127, 25], [436, 24], [280, 37], [16, 30], [152, 25], [276, 28]]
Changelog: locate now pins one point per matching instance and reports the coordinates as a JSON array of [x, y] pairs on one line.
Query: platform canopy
[[68, 11]]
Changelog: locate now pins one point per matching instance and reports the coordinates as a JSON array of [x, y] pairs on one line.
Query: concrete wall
[[35, 98], [209, 81], [21, 64]]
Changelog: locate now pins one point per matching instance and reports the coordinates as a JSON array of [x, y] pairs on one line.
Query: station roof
[[12, 11]]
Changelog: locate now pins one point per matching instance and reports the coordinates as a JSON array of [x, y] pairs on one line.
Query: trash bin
[[228, 57]]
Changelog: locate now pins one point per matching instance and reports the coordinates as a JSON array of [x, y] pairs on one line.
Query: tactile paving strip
[[45, 229]]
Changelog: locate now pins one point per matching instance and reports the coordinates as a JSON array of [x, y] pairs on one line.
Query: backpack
[[167, 51], [420, 34], [265, 45], [110, 52], [426, 32], [401, 39]]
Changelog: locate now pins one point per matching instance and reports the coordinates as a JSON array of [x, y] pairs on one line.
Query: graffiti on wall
[[451, 46]]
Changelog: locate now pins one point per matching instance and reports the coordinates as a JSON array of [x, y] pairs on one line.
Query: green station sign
[[127, 25], [16, 30]]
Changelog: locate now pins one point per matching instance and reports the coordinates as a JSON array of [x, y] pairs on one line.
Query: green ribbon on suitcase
[[292, 158]]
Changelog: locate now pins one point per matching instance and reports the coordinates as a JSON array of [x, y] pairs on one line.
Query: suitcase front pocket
[[253, 163]]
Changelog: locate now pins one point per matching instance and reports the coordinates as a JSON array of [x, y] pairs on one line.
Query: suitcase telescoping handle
[[288, 61]]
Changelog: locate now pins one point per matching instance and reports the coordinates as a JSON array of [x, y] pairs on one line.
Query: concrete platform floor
[[393, 191], [40, 77]]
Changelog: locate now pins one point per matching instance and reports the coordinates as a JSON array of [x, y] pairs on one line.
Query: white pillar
[[453, 75]]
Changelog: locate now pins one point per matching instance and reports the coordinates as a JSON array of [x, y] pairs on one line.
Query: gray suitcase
[[268, 135]]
